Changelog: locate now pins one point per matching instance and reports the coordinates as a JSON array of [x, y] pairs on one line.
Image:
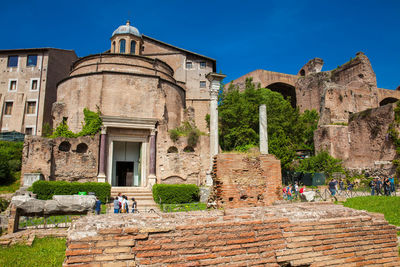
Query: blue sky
[[241, 35]]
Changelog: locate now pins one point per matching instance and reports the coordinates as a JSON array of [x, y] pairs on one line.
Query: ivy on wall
[[186, 129], [91, 126]]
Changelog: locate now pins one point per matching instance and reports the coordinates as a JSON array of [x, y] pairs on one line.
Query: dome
[[124, 29]]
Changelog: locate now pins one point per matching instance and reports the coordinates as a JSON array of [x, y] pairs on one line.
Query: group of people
[[387, 184], [121, 204], [292, 191], [335, 185]]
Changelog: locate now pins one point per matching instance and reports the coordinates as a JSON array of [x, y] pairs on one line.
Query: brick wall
[[243, 180], [286, 235]]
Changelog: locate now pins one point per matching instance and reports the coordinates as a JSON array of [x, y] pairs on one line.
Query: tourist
[[120, 197], [289, 193], [124, 204], [134, 205], [372, 186], [386, 186], [98, 206], [296, 190], [392, 187], [332, 187], [350, 185], [378, 186], [117, 205], [302, 189], [284, 192], [341, 185]]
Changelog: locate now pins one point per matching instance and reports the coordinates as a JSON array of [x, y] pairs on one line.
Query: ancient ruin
[[285, 235], [348, 128]]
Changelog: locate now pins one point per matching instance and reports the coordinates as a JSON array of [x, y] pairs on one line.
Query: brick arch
[[286, 89], [388, 100]]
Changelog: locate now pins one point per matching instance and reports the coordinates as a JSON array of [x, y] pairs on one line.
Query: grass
[[54, 219], [389, 206], [12, 187], [44, 252], [183, 207]]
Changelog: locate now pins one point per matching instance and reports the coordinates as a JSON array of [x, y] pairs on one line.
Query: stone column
[[102, 177], [263, 129], [215, 83], [152, 179]]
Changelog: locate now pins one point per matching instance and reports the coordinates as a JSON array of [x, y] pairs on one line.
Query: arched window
[[188, 149], [122, 44], [82, 148], [133, 46], [172, 149], [113, 47], [65, 146]]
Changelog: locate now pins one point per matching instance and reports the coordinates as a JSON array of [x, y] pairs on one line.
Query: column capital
[[215, 84], [103, 130], [153, 131]]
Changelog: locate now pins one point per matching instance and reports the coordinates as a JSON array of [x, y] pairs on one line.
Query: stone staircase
[[143, 197]]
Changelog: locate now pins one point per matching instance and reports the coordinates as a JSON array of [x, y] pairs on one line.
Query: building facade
[[28, 79], [143, 88]]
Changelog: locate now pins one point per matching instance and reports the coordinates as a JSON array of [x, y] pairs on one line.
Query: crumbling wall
[[337, 94], [244, 180], [286, 235], [362, 145], [180, 163], [69, 159]]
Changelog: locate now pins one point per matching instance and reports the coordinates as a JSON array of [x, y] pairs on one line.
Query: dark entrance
[[288, 91], [124, 173]]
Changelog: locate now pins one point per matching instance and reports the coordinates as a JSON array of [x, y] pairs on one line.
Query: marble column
[[101, 177], [263, 129], [215, 84], [152, 179]]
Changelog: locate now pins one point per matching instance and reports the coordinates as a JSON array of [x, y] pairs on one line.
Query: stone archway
[[287, 90], [388, 100]]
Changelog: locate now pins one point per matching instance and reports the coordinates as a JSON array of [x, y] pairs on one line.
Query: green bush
[[175, 193], [4, 204], [174, 135], [322, 162], [5, 175], [10, 160], [193, 137], [46, 189]]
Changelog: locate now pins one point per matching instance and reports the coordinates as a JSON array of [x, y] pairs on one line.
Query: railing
[[35, 222], [325, 194]]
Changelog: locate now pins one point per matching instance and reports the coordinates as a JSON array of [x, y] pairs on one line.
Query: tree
[[288, 130], [322, 162]]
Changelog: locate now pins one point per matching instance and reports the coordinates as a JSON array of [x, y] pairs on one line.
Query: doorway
[[126, 163], [124, 173]]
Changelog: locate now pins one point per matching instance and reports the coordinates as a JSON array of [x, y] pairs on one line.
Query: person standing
[[134, 205], [392, 187], [372, 186], [332, 187], [386, 186], [341, 185], [378, 187], [97, 206], [116, 205]]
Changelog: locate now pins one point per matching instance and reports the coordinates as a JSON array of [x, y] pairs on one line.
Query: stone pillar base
[[101, 178], [209, 180], [151, 180]]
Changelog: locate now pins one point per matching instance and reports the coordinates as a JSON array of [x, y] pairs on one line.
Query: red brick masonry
[[298, 234], [242, 180]]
